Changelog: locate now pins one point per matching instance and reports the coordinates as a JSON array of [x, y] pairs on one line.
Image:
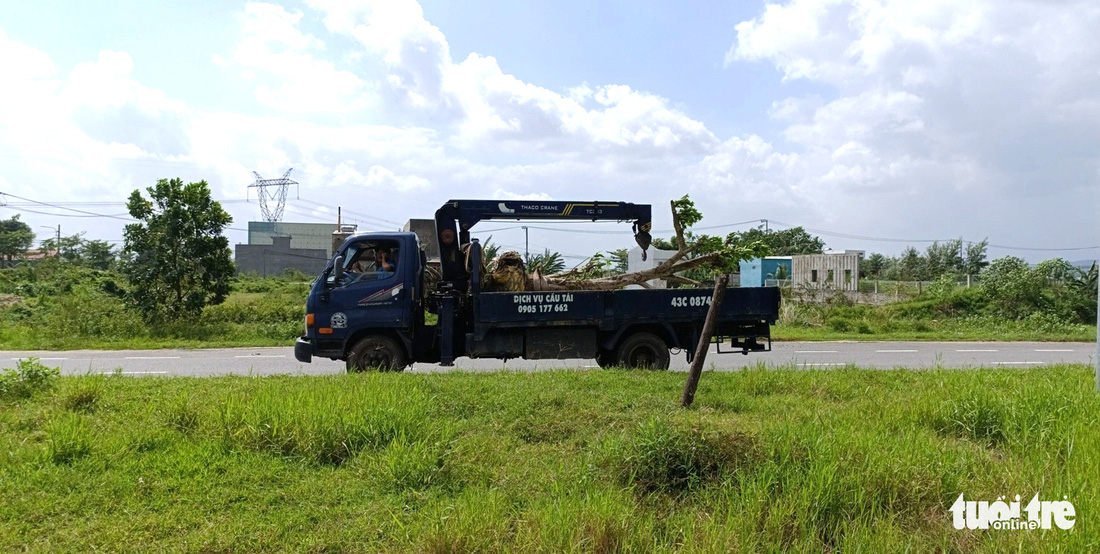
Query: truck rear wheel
[[644, 350], [377, 352]]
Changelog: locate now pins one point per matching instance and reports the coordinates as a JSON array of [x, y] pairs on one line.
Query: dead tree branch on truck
[[692, 252]]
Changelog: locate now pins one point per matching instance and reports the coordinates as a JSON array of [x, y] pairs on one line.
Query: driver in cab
[[373, 264]]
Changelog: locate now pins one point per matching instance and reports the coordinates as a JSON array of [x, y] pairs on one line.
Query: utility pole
[[58, 245], [526, 245], [766, 230]]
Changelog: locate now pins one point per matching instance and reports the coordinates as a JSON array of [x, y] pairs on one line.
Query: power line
[[372, 221], [52, 214], [349, 211], [65, 208], [98, 204]]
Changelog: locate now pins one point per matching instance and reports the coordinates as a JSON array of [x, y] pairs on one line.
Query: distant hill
[[1083, 264]]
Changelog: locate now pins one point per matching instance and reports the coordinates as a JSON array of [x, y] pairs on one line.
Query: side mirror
[[338, 271]]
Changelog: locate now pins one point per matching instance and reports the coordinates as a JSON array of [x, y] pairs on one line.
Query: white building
[[635, 263]]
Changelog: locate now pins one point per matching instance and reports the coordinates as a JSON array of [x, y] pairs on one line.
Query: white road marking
[[895, 350], [815, 351], [1055, 350], [152, 357], [260, 356], [976, 350], [133, 372], [1019, 363]]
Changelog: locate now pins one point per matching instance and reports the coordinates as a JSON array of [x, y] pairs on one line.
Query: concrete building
[[830, 271], [308, 236], [760, 272], [425, 231], [275, 258]]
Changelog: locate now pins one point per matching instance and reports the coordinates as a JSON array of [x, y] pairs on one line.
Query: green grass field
[[566, 461]]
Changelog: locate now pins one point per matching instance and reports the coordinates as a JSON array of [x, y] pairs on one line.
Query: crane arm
[[454, 219]]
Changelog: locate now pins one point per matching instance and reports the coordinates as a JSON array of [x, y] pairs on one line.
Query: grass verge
[[589, 461]]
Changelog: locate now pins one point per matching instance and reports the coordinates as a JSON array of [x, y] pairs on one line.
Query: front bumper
[[303, 350]]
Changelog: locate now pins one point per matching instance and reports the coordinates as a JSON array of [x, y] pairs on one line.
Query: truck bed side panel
[[614, 308]]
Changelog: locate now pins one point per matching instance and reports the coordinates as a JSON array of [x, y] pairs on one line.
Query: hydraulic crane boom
[[455, 218]]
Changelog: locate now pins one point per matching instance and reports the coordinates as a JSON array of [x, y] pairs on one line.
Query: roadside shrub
[[291, 282], [68, 439], [1045, 322], [85, 399], [979, 417], [28, 378], [330, 422], [840, 324], [1040, 416], [270, 309], [659, 457], [89, 312], [417, 465], [181, 415], [943, 287], [953, 302]]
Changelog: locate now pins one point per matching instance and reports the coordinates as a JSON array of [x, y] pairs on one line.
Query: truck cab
[[371, 288]]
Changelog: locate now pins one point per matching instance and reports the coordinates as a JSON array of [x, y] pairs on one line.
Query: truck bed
[[611, 309]]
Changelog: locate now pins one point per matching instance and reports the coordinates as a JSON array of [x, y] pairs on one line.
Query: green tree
[[943, 259], [787, 242], [547, 263], [874, 266], [1014, 289], [910, 266], [68, 248], [15, 238], [620, 261], [975, 259], [97, 254], [489, 250], [1082, 283], [178, 261]]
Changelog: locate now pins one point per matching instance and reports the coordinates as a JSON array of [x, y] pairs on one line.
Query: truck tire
[[605, 358], [644, 350], [377, 352]]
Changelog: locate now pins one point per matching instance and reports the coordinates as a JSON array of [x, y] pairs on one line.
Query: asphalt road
[[822, 355]]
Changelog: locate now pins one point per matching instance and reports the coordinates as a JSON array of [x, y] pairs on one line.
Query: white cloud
[[490, 108], [81, 133], [917, 112], [509, 195], [935, 97], [413, 50], [273, 49]]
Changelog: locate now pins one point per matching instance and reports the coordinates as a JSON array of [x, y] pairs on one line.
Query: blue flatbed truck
[[375, 318]]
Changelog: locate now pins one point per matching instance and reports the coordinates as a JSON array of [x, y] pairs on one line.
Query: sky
[[874, 124]]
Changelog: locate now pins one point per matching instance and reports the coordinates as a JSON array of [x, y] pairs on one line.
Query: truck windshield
[[370, 260]]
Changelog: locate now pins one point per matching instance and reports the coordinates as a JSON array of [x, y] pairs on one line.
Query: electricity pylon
[[278, 196]]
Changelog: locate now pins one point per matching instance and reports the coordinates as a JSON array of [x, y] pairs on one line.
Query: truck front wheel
[[644, 350], [377, 352]]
